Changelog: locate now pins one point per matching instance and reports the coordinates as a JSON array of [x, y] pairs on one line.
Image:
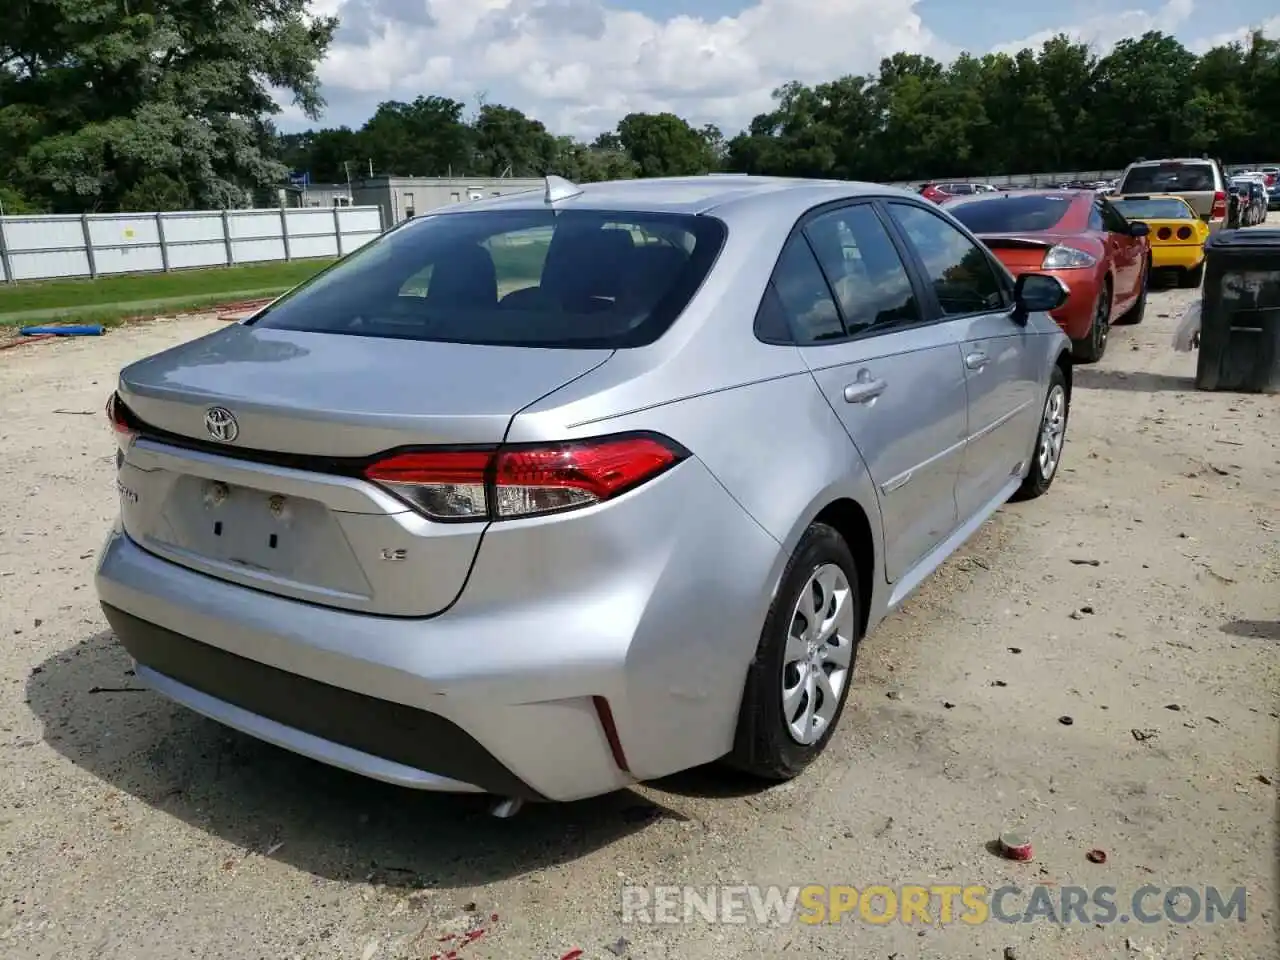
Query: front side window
[[961, 274], [1111, 219], [862, 265], [540, 278]]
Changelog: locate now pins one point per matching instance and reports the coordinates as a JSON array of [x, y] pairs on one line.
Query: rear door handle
[[864, 391], [976, 360]]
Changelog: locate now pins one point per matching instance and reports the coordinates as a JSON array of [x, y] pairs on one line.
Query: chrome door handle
[[864, 391], [975, 361]]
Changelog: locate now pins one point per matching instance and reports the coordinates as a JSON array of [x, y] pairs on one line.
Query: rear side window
[[798, 306], [962, 275], [1011, 214], [863, 268], [537, 278], [1170, 178]]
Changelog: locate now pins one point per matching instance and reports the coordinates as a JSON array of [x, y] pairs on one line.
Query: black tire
[[1135, 314], [763, 745], [1038, 479], [1094, 344], [1190, 279]]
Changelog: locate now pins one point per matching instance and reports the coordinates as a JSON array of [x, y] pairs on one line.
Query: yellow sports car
[[1177, 234]]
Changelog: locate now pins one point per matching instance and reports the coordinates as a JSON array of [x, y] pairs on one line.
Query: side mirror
[[1138, 229], [1037, 293]]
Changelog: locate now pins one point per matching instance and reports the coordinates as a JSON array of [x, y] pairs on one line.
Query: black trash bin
[[1240, 316]]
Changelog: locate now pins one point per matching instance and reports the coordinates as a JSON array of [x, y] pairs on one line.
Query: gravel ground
[[1148, 580]]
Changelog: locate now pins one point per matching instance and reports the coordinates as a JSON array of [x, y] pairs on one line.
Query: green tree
[[425, 138], [664, 145], [97, 95], [510, 144]]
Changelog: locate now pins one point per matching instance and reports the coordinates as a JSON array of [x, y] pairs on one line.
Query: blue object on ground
[[86, 330]]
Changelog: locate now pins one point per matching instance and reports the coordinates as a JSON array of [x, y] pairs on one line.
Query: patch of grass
[[114, 314], [96, 301]]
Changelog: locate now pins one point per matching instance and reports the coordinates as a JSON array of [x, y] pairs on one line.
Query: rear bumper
[[653, 602], [1183, 256], [1075, 317], [389, 741]]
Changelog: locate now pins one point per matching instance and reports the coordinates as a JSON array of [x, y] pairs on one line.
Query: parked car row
[[1249, 200], [615, 491], [1269, 175]]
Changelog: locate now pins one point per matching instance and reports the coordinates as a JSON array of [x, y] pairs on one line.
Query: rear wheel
[[1050, 439], [1094, 345], [799, 681], [1189, 279], [1139, 309]]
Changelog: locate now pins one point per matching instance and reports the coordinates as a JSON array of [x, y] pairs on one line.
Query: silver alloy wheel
[[1053, 429], [815, 667]]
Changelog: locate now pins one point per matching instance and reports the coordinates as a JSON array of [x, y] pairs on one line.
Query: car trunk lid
[[279, 503]]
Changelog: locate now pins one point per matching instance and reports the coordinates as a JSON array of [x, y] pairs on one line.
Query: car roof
[[1069, 193], [692, 195], [1156, 163], [1152, 196]]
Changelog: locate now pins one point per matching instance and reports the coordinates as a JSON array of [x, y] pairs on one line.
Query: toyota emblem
[[221, 424]]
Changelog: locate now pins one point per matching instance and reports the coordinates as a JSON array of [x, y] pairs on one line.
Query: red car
[[1077, 236]]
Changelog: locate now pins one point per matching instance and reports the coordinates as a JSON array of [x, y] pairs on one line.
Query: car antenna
[[558, 188]]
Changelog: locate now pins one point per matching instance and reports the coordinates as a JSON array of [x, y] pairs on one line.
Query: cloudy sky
[[580, 65]]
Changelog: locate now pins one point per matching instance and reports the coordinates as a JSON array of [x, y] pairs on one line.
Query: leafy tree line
[[1059, 108], [166, 104]]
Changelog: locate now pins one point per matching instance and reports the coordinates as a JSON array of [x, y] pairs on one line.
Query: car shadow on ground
[[325, 821], [1256, 629], [1102, 378]]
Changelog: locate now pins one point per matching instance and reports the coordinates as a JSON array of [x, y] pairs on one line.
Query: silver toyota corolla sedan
[[547, 494]]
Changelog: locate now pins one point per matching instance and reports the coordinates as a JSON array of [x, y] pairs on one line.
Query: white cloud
[[580, 65], [1107, 28], [1270, 27]]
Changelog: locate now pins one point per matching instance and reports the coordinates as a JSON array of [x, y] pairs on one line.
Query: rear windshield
[[1169, 178], [1011, 213], [1155, 209], [536, 278]]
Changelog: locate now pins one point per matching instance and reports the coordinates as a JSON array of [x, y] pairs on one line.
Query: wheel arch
[[848, 518], [1063, 362]]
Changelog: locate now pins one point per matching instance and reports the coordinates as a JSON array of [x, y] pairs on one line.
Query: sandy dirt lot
[[1141, 599]]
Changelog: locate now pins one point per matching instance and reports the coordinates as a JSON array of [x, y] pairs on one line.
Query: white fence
[[102, 244]]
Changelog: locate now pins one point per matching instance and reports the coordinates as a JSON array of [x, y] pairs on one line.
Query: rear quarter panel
[[779, 455]]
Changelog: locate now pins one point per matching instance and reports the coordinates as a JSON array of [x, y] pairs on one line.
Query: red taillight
[[524, 481], [121, 420], [1184, 233], [1219, 206], [1163, 233]]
